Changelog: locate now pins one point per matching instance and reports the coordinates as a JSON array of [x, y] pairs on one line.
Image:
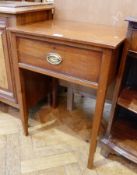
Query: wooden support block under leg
[[70, 99], [105, 151], [54, 92], [4, 107]]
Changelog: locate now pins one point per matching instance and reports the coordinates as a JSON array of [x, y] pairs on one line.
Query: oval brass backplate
[[54, 58]]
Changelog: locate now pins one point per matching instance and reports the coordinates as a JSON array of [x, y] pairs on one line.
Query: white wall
[[111, 12]]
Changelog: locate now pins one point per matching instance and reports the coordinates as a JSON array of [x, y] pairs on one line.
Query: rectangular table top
[[79, 32]]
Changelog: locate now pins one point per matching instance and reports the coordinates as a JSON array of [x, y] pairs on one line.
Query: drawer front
[[80, 63], [133, 44]]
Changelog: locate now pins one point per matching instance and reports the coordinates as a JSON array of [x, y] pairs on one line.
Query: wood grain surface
[[3, 73], [83, 64], [80, 32]]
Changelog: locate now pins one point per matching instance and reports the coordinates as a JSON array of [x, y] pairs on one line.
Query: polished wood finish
[[36, 87], [123, 138], [30, 17], [132, 34], [128, 99], [11, 16], [98, 34], [133, 41], [7, 91], [83, 33], [98, 46], [103, 83], [110, 13], [121, 131], [3, 73], [83, 64]]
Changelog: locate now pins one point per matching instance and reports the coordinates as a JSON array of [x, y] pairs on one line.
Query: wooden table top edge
[[25, 31], [8, 10]]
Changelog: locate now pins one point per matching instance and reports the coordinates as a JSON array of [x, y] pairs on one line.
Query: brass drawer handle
[[54, 58]]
